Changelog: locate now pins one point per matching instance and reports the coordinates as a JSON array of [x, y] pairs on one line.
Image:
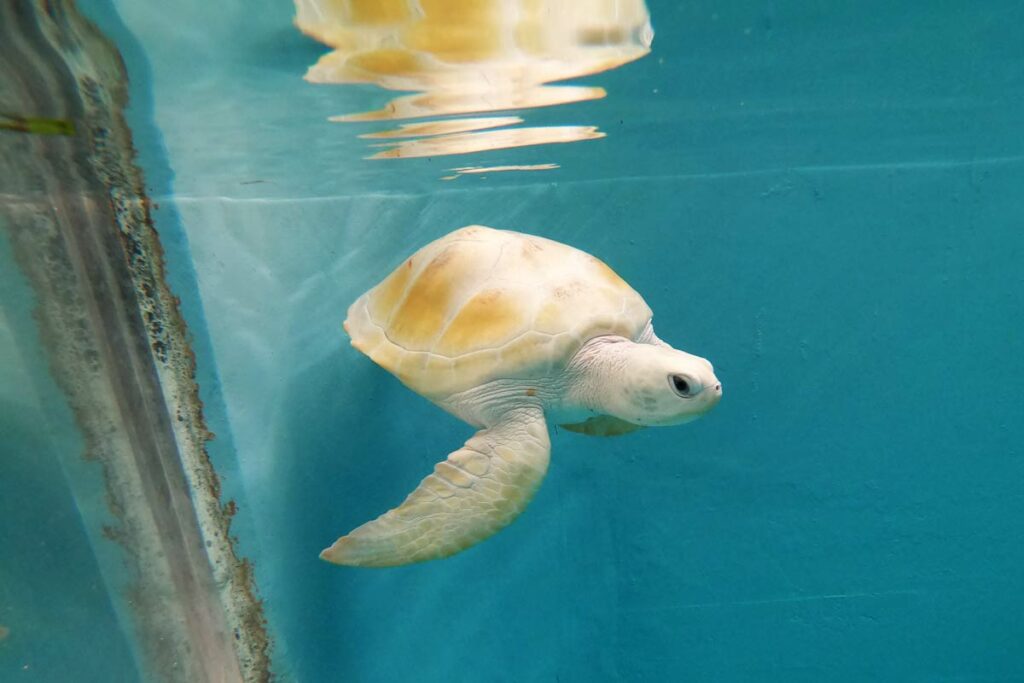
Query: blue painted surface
[[823, 201]]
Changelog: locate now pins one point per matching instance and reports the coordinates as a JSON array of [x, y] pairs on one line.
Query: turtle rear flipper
[[602, 425]]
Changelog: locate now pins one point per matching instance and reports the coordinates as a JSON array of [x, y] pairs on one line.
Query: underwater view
[[511, 340]]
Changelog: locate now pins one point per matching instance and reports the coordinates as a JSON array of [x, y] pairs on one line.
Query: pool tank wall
[[823, 201]]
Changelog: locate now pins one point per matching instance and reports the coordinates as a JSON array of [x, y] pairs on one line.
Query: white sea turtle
[[509, 332]]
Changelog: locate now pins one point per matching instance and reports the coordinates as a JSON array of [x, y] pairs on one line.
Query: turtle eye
[[682, 386]]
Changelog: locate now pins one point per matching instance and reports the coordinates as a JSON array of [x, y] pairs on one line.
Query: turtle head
[[648, 384]]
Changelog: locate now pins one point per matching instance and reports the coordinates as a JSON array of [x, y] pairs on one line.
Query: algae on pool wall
[[77, 223]]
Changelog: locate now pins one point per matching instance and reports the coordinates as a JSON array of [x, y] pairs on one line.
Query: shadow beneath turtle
[[352, 444]]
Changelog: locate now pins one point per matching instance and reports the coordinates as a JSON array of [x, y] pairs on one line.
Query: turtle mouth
[[706, 400], [714, 395]]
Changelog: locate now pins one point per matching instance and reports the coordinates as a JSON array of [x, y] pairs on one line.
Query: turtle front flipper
[[470, 496]]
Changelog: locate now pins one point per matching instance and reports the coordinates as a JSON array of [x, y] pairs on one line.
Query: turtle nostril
[[718, 388]]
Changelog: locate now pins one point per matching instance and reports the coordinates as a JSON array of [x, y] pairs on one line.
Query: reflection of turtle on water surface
[[510, 332]]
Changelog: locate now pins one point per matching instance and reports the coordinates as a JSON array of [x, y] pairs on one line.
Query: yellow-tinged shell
[[481, 304]]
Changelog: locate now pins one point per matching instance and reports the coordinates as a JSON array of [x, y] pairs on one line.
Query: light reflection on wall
[[484, 170], [464, 57]]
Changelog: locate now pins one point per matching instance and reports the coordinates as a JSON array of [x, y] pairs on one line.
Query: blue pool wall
[[823, 201]]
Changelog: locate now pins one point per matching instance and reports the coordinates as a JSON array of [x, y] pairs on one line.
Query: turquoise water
[[823, 201]]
